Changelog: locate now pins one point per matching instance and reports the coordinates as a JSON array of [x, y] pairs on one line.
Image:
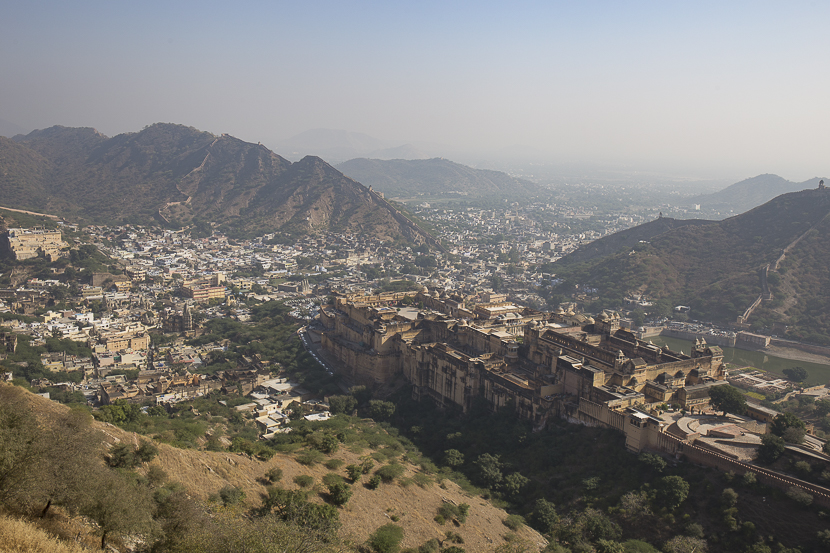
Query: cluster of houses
[[275, 399]]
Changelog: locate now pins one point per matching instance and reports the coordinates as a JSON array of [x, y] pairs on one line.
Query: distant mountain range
[[9, 129], [747, 194], [433, 177], [717, 267], [179, 175], [339, 145]]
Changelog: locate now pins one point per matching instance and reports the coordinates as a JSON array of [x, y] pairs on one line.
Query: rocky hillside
[[433, 177], [717, 267], [176, 174]]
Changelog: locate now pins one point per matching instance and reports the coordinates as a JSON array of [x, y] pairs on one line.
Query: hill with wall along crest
[[715, 267]]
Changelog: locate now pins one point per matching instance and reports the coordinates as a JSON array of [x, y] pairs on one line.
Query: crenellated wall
[[651, 437]]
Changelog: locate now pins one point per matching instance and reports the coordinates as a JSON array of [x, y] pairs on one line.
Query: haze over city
[[702, 89]]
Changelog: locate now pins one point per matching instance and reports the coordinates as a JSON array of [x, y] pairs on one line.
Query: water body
[[818, 373]]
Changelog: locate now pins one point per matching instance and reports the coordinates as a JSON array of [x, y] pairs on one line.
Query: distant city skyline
[[711, 89]]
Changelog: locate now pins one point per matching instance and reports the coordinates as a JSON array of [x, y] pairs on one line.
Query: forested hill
[[749, 193], [715, 267], [177, 174], [433, 177]]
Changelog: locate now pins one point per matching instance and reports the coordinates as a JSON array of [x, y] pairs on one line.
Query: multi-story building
[[24, 243]]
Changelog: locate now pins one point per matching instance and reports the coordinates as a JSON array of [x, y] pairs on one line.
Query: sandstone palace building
[[454, 353], [22, 243]]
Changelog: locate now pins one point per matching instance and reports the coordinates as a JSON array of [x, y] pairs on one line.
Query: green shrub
[[303, 480], [386, 539], [146, 452], [799, 496], [374, 482], [367, 465], [333, 464], [514, 522], [354, 472], [274, 475], [389, 472], [448, 511], [332, 478], [339, 492], [122, 456], [422, 480], [231, 495], [310, 457]]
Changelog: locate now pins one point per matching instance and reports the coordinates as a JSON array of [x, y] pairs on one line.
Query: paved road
[[313, 352]]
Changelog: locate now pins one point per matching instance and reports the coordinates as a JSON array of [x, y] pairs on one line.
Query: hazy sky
[[735, 88]]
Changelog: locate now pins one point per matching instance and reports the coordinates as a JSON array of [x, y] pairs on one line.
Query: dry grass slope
[[204, 473], [24, 537]]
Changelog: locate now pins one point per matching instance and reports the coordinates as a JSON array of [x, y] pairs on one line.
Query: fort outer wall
[[726, 341], [362, 367], [722, 341], [649, 437]]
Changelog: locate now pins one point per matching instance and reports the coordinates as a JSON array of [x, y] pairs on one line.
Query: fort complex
[[508, 354], [562, 364]]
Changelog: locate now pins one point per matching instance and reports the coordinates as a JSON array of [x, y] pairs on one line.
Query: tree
[[610, 546], [727, 399], [652, 461], [685, 544], [796, 374], [22, 448], [799, 496], [489, 468], [45, 465], [293, 506], [355, 472], [672, 491], [381, 410], [822, 408], [386, 539], [789, 427], [146, 451], [453, 458], [514, 484], [634, 506], [329, 444], [729, 498], [772, 447], [118, 506], [339, 492], [544, 517], [342, 404]]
